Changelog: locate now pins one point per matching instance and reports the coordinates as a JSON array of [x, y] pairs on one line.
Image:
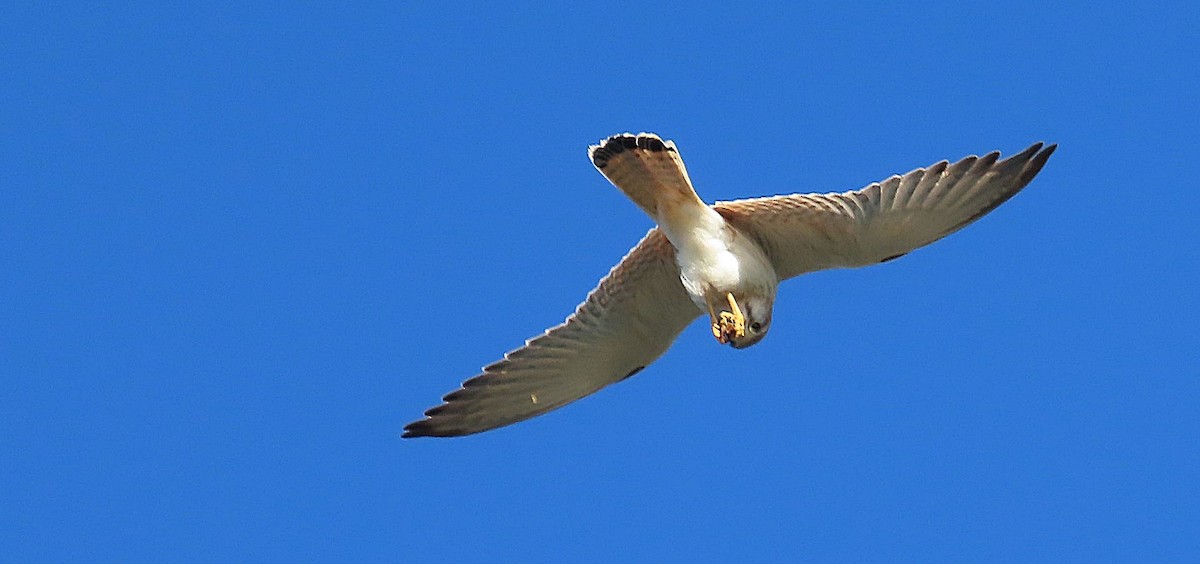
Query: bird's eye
[[756, 326]]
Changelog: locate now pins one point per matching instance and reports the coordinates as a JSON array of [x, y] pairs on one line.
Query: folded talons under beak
[[728, 325]]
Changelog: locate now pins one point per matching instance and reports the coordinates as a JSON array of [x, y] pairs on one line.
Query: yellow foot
[[729, 325]]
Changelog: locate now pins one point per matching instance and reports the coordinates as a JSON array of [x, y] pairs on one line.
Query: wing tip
[[429, 426], [432, 427], [415, 429], [1035, 158], [621, 142], [1037, 150], [1031, 161]]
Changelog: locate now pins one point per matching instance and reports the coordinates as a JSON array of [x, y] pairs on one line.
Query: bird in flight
[[725, 261]]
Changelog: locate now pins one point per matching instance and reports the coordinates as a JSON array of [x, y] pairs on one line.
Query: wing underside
[[807, 232], [625, 323]]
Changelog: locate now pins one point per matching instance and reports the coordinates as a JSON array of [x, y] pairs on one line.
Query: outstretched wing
[[806, 232], [626, 323]]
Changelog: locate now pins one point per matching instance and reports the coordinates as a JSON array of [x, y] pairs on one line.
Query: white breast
[[713, 258]]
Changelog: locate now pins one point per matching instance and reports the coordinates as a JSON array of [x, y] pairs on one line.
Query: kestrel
[[725, 260]]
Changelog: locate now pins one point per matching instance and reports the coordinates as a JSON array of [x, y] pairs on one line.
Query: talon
[[737, 314], [728, 326], [732, 327], [716, 325], [725, 328]]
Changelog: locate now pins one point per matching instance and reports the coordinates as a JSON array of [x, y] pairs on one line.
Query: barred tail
[[647, 169]]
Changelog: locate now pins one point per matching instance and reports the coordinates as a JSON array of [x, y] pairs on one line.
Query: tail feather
[[647, 169]]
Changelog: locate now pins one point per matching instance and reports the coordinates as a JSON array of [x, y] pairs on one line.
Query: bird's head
[[757, 310], [744, 322]]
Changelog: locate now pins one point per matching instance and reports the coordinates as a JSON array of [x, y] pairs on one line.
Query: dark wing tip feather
[[1040, 156], [433, 426], [428, 428], [1034, 158], [617, 144], [417, 429]]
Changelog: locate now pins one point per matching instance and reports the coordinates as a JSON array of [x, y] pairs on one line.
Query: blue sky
[[244, 244]]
